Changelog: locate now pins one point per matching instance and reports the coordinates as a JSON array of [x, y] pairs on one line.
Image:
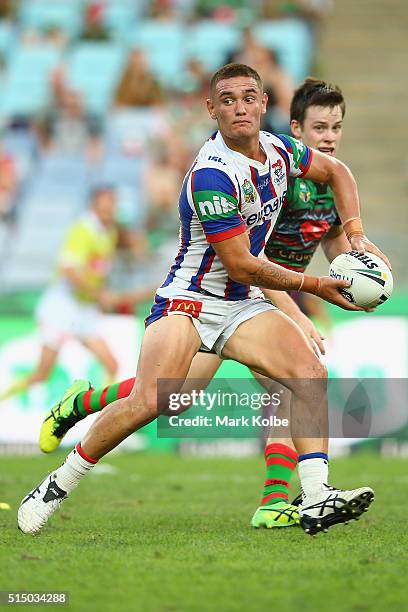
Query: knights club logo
[[278, 171], [249, 192]]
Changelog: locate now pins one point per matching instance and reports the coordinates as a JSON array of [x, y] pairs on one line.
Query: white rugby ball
[[371, 279]]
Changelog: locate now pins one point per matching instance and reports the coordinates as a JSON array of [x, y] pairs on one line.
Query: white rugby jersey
[[225, 194]]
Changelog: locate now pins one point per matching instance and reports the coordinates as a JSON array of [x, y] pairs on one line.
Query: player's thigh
[[168, 348], [204, 366], [274, 346], [202, 370]]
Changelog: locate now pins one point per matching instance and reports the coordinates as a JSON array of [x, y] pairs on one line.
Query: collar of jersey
[[248, 160]]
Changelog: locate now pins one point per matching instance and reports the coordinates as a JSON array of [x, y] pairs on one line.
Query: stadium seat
[[4, 238], [7, 39], [94, 69], [22, 145], [26, 84], [164, 44], [128, 131], [120, 16], [292, 41], [41, 14], [210, 42]]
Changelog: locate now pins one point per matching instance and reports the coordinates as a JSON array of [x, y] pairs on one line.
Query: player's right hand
[[329, 290]]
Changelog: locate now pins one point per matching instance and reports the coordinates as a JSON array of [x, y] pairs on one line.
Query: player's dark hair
[[314, 92], [230, 71]]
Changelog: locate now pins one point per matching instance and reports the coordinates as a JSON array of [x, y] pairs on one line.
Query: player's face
[[105, 206], [321, 128], [237, 104]]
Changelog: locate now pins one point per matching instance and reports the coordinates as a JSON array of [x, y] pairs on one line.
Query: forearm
[[335, 246], [78, 281], [267, 275], [345, 192], [325, 169]]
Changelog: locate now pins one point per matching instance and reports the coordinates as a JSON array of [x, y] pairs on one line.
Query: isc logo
[[216, 159]]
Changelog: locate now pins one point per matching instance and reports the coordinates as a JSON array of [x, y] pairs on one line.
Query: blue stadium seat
[[59, 173], [164, 44], [94, 69], [4, 238], [40, 14], [7, 39], [128, 130], [26, 84], [120, 16], [292, 41], [22, 145], [210, 42]]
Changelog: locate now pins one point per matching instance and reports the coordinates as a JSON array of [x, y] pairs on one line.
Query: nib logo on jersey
[[268, 210], [214, 205]]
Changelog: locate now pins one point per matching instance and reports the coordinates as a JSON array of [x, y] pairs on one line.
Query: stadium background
[[62, 64]]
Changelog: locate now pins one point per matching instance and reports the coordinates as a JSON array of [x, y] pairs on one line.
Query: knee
[[310, 367], [141, 406]]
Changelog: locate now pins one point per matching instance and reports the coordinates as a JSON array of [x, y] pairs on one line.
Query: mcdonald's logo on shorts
[[188, 306]]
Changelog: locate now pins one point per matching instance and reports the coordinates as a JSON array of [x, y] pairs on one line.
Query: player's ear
[[211, 109], [296, 128], [264, 102]]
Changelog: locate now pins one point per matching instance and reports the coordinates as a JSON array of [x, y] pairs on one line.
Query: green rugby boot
[[280, 514], [61, 417]]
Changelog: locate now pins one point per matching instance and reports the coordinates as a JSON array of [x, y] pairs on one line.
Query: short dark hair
[[314, 92], [234, 70]]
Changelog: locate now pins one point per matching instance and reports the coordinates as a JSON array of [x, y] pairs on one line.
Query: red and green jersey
[[307, 216]]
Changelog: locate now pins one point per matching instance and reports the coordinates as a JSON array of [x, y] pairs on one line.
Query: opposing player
[[211, 299], [308, 218]]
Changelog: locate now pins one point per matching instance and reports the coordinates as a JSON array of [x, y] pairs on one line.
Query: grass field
[[167, 534]]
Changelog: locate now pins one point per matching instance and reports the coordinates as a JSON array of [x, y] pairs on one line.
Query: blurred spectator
[[195, 79], [67, 128], [223, 10], [163, 10], [314, 9], [277, 83], [51, 35], [55, 36], [8, 184], [137, 86], [94, 23], [187, 116], [162, 193], [8, 9], [311, 11]]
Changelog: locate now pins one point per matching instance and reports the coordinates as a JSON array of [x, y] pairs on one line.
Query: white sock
[[313, 474], [72, 470]]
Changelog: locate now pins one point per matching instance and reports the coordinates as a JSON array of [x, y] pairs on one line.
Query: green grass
[[169, 534]]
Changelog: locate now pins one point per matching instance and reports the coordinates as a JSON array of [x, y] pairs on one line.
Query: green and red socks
[[281, 462], [96, 400]]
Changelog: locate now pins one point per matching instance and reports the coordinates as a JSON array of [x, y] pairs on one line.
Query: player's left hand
[[363, 244], [314, 337]]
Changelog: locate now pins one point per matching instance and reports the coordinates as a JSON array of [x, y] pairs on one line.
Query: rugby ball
[[371, 279]]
